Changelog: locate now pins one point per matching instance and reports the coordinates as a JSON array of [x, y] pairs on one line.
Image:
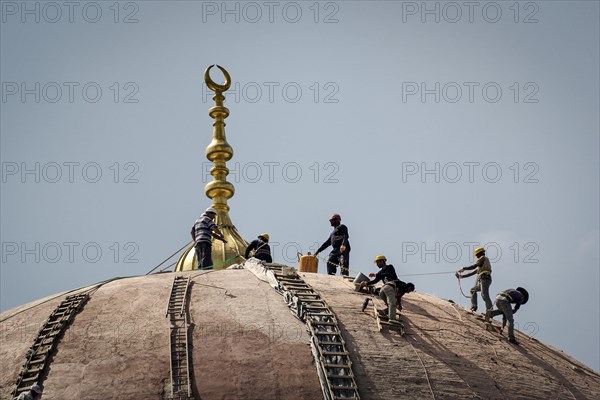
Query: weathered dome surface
[[246, 344], [450, 348]]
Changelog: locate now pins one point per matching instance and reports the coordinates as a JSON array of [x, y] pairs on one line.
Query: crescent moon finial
[[214, 86]]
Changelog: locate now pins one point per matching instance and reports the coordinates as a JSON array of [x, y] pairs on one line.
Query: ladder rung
[[331, 376], [45, 342], [330, 343], [330, 365], [335, 353], [327, 314], [49, 329], [34, 370], [337, 387]]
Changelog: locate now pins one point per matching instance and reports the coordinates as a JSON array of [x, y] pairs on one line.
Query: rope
[[97, 286], [168, 258], [461, 291], [326, 261], [221, 263], [428, 273], [101, 283], [92, 289], [342, 268], [475, 395], [183, 247], [425, 369], [168, 266]]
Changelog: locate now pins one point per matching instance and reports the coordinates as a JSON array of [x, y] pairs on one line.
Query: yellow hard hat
[[265, 235], [478, 250], [380, 257]]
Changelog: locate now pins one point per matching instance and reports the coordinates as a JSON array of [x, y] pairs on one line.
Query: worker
[[518, 297], [34, 393], [483, 269], [401, 289], [387, 274], [203, 231], [340, 253], [261, 247]]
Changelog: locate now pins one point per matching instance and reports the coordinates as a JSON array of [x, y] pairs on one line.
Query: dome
[[244, 343]]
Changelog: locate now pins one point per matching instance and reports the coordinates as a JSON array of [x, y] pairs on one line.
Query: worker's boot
[[513, 341], [488, 315], [383, 312]]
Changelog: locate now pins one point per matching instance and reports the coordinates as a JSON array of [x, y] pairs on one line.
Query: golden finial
[[219, 151], [219, 190]]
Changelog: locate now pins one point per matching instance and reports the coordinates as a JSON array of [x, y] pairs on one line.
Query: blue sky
[[431, 127]]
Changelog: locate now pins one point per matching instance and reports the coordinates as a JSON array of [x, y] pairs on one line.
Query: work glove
[[457, 274]]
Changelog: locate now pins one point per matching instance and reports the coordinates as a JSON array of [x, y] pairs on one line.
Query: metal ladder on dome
[[329, 348], [181, 388], [44, 344]]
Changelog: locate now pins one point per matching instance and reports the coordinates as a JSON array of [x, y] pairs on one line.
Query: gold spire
[[219, 190]]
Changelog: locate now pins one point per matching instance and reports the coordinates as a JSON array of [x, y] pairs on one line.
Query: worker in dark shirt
[[518, 297], [203, 230], [261, 247], [340, 253], [391, 286], [386, 272]]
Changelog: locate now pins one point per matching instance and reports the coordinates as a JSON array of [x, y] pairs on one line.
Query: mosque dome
[[244, 343]]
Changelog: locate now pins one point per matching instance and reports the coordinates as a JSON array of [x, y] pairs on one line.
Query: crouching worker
[[393, 289], [518, 297], [401, 289], [261, 247]]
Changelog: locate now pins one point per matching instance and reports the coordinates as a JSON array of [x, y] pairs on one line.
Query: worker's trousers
[[388, 295], [504, 308], [482, 285], [342, 259], [204, 254]]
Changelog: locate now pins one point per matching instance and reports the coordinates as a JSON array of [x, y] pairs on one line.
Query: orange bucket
[[308, 263]]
